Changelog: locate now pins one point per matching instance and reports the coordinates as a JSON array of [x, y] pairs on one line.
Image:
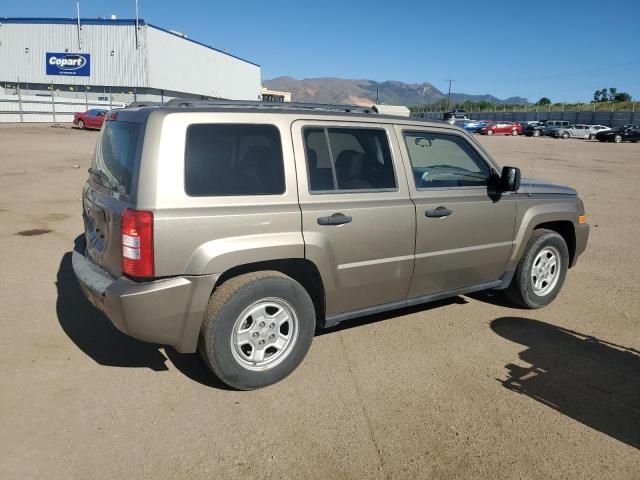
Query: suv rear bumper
[[167, 311]]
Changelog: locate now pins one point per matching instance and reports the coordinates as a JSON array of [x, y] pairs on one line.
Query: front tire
[[81, 124], [565, 135], [489, 132], [617, 138], [541, 271], [257, 329], [592, 137], [514, 132], [537, 133]]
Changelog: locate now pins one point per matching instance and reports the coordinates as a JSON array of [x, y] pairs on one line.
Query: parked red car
[[504, 128], [90, 119]]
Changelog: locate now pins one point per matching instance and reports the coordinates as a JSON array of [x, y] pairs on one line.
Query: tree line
[[605, 95]]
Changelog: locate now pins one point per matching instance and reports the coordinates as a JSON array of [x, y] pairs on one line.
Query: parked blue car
[[474, 126]]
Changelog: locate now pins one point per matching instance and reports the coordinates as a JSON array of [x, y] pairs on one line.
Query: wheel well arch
[[567, 231], [302, 270]]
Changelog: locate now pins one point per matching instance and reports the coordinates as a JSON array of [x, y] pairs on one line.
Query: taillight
[[137, 243]]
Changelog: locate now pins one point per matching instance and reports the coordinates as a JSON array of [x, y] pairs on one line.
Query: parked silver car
[[578, 131], [572, 131], [595, 129]]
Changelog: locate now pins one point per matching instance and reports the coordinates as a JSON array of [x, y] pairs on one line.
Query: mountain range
[[363, 92]]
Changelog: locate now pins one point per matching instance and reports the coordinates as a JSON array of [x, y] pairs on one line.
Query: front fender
[[218, 256], [541, 211]]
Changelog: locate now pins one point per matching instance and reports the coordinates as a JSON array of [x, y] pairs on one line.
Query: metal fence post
[[20, 101], [53, 104]]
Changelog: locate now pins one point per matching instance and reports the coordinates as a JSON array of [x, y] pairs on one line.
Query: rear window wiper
[[103, 176]]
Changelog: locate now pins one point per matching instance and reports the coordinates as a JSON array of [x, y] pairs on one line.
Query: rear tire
[[617, 138], [565, 135], [592, 137], [81, 124], [536, 133], [541, 271], [257, 329], [489, 132], [514, 132]]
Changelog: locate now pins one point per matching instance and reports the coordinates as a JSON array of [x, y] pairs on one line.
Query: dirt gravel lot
[[467, 388]]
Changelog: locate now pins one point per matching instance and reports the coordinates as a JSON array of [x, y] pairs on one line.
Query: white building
[[117, 59], [269, 95]]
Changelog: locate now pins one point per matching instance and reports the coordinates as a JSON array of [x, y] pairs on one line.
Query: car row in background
[[551, 128], [490, 128], [93, 118]]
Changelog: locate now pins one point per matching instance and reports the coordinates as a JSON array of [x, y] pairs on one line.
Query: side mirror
[[510, 179]]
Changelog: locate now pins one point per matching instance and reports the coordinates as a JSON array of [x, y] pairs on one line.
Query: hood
[[529, 185]]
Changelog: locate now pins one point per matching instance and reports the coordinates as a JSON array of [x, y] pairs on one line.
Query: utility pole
[[137, 26], [449, 94]]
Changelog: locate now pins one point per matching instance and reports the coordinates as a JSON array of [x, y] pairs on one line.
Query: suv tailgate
[[107, 192]]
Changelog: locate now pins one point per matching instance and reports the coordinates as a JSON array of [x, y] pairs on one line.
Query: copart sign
[[75, 64]]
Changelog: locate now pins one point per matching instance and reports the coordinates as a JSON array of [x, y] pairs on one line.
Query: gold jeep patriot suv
[[238, 228]]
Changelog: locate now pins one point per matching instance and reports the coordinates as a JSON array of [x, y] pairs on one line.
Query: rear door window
[[346, 159], [115, 154], [233, 159]]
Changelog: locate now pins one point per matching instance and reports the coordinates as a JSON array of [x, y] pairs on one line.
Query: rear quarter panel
[[205, 235]]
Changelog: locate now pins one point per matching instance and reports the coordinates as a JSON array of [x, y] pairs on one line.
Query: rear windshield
[[115, 154]]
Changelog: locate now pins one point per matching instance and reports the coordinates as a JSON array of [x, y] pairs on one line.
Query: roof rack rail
[[188, 102], [143, 104]]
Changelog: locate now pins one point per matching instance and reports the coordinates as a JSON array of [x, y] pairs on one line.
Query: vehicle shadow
[[494, 297], [590, 380], [95, 335]]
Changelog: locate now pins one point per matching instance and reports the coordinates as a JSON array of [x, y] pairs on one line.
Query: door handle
[[439, 212], [335, 219]]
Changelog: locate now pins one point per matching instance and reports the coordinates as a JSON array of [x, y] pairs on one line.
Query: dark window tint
[[348, 159], [234, 160], [440, 160], [115, 153]]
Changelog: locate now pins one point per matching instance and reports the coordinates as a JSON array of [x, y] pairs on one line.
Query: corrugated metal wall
[[184, 66], [163, 60], [126, 67]]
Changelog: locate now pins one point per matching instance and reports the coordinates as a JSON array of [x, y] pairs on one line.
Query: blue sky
[[560, 49]]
